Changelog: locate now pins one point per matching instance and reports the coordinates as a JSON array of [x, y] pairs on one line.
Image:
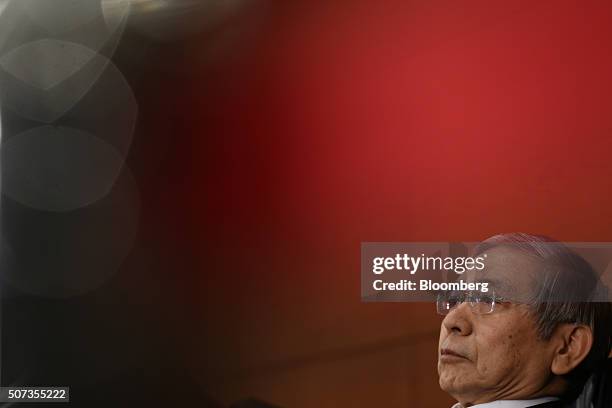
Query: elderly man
[[531, 341]]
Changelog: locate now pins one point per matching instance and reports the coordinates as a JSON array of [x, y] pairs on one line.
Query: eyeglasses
[[481, 303]]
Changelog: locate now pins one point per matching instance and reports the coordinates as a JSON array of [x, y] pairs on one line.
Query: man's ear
[[572, 343]]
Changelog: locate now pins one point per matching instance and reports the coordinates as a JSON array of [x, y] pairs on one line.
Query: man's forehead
[[510, 271]]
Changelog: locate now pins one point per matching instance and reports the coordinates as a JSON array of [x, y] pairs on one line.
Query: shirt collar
[[511, 403]]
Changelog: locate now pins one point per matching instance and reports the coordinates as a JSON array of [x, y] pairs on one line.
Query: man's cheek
[[495, 365]]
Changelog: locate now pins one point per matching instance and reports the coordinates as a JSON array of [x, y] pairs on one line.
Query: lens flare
[[43, 80], [59, 16], [59, 169]]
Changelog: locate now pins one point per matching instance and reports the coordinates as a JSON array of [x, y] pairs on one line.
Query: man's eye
[[455, 295], [454, 301], [484, 299]]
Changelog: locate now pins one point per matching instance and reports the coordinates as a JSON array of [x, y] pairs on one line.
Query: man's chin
[[452, 381], [460, 387], [454, 367]]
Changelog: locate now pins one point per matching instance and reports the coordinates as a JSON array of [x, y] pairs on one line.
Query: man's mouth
[[448, 354]]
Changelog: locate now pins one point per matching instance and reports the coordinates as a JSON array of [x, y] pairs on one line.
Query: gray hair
[[564, 293]]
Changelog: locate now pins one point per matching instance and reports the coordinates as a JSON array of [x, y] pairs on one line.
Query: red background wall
[[337, 122]]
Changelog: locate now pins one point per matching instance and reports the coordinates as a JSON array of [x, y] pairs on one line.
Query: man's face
[[495, 356]]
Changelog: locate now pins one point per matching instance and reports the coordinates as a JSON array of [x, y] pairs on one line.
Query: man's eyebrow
[[492, 282], [496, 284]]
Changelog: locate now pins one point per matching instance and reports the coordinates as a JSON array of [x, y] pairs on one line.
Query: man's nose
[[459, 320]]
